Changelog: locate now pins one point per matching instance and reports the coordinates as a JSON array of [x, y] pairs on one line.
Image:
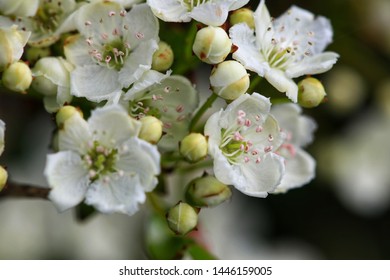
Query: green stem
[[202, 110], [280, 100], [254, 83], [199, 165]]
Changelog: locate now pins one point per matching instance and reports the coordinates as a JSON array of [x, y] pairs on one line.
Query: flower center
[[100, 160], [235, 144], [190, 4], [48, 16], [287, 42], [109, 49]]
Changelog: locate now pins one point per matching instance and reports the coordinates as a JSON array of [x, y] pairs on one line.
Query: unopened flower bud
[[194, 147], [50, 73], [151, 129], [182, 218], [3, 177], [212, 45], [243, 15], [17, 77], [66, 112], [229, 80], [163, 57], [207, 192], [311, 92]]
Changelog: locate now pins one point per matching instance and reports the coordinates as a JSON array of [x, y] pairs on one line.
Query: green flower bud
[[243, 15], [207, 192], [182, 218], [163, 57], [3, 177], [151, 129], [311, 92], [65, 113], [194, 147], [212, 45], [17, 77], [229, 80]]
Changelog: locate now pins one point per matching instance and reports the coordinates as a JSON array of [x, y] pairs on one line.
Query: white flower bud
[[50, 73], [194, 147], [3, 177], [212, 45], [151, 129], [163, 57], [65, 113], [229, 80], [17, 77], [311, 92], [182, 218], [243, 15], [12, 42]]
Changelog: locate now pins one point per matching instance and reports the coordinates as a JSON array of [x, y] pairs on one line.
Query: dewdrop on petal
[[182, 218], [151, 129], [207, 191], [194, 147], [64, 113], [243, 15], [311, 92], [3, 177], [229, 80], [17, 77], [163, 58], [212, 45]]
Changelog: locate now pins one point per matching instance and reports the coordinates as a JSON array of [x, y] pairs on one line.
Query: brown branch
[[23, 190]]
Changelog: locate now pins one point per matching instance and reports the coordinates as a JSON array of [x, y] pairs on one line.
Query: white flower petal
[[247, 53], [281, 82], [112, 125], [68, 178], [21, 8], [169, 10], [118, 194], [76, 51], [143, 25], [210, 13], [262, 23], [212, 130], [137, 63], [300, 169], [316, 64], [263, 177], [148, 79], [299, 127], [225, 172], [140, 158], [75, 135], [95, 83]]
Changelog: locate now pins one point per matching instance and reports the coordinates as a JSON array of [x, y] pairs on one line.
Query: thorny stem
[[202, 110], [23, 190]]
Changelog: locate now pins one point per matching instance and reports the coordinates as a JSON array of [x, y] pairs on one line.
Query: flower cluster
[[140, 97]]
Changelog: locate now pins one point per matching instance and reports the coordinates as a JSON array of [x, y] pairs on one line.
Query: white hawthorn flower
[[209, 12], [103, 161], [51, 19], [172, 100], [113, 51], [298, 131], [243, 140], [285, 48]]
